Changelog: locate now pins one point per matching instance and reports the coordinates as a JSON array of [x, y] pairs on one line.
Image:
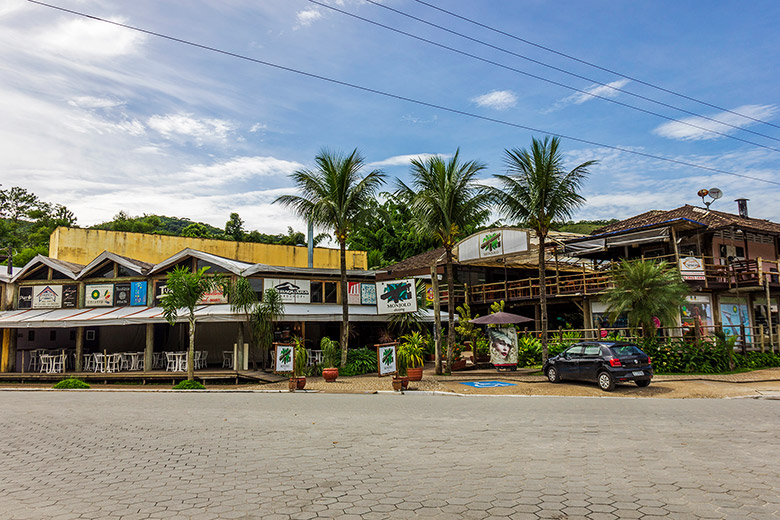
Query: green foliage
[[563, 339], [482, 346], [71, 383], [466, 330], [359, 361], [584, 227], [197, 230], [189, 384], [234, 228], [529, 350], [301, 357], [497, 307], [331, 352], [411, 350]]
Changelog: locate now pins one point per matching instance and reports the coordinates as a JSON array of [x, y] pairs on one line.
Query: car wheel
[[553, 376], [606, 381], [643, 383]]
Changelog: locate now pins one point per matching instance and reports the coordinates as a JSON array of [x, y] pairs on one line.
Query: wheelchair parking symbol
[[488, 384]]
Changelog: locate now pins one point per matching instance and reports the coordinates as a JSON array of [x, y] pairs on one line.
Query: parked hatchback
[[605, 362]]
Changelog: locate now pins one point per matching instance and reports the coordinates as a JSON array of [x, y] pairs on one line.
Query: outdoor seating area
[[50, 361]]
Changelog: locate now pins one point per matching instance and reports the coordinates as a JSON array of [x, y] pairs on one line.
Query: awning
[[114, 316], [639, 237], [594, 245]]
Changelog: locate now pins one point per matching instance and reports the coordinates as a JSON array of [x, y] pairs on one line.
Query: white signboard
[[285, 358], [692, 268], [47, 297], [290, 291], [353, 293], [385, 357], [492, 243], [99, 295], [396, 296]]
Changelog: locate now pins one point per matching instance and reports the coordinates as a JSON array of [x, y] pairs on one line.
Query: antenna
[[713, 193]]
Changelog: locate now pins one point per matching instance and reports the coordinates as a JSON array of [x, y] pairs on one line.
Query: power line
[[547, 80], [591, 64], [401, 98]]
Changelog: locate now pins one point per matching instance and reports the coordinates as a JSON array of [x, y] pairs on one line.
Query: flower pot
[[301, 383], [330, 374], [292, 384], [405, 382], [397, 384], [415, 374], [459, 364]]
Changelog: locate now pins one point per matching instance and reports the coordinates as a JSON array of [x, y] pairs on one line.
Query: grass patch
[[189, 385], [71, 383]]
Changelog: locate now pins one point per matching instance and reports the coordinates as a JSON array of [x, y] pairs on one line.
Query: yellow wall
[[81, 246]]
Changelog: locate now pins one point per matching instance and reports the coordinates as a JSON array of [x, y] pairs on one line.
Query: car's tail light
[[615, 362]]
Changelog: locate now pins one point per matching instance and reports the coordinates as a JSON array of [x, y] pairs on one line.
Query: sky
[[103, 119]]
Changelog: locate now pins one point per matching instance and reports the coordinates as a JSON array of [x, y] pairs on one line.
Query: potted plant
[[331, 354], [458, 363], [402, 374], [482, 350], [411, 351], [299, 364]]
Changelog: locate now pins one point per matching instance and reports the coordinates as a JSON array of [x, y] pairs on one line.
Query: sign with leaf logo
[[386, 359], [285, 358], [396, 296]]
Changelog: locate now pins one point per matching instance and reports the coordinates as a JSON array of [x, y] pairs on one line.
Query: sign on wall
[[290, 291], [285, 358], [396, 296], [138, 293], [213, 297], [47, 297], [160, 288], [492, 243], [692, 268], [25, 298], [386, 360], [353, 293], [101, 295], [122, 294], [367, 294], [70, 296]]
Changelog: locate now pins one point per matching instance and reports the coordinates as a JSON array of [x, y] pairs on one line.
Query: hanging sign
[[367, 294], [503, 346], [122, 294], [290, 291], [285, 358], [353, 293], [70, 296], [160, 288], [99, 295], [692, 268], [25, 298], [138, 293], [386, 360], [396, 296], [47, 297]]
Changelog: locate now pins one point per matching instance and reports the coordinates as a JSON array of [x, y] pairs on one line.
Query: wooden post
[[743, 338], [466, 293], [8, 357], [79, 349], [676, 249], [769, 313], [149, 348], [436, 317], [761, 337], [64, 360], [557, 272], [238, 360]]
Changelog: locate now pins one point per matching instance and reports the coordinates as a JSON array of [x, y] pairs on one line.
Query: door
[[590, 361], [568, 362]]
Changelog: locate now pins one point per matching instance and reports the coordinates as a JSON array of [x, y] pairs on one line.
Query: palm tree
[[243, 299], [184, 290], [645, 290], [538, 191], [264, 314], [444, 199], [334, 196]]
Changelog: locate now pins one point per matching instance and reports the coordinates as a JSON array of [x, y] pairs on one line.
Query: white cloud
[[683, 132], [497, 99], [607, 91], [258, 127], [239, 169], [94, 102], [307, 16], [173, 126], [90, 39], [405, 160]]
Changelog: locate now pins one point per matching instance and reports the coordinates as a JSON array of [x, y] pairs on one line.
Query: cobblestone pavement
[[98, 455]]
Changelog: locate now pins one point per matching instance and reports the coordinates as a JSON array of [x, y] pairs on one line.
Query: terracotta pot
[[330, 374], [292, 384], [397, 384], [405, 382], [459, 364], [415, 374], [301, 383]]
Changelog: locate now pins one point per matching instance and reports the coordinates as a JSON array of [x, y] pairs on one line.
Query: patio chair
[[157, 359], [204, 359], [171, 362], [44, 363], [197, 359], [88, 363], [227, 359], [35, 361], [56, 364], [99, 364]]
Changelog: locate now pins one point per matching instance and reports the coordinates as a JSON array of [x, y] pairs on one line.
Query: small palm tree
[[243, 299], [263, 316], [334, 196], [538, 191], [184, 290], [644, 290], [444, 199]]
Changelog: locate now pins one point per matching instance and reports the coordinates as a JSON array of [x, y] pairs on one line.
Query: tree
[[443, 200], [184, 290], [243, 299], [334, 196], [17, 202], [196, 230], [645, 290], [537, 191], [269, 310], [234, 227]]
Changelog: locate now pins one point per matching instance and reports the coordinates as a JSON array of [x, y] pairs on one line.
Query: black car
[[605, 362]]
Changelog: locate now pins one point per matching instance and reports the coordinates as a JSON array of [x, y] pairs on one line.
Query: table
[[135, 360]]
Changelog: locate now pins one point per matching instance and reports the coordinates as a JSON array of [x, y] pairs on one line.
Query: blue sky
[[103, 119]]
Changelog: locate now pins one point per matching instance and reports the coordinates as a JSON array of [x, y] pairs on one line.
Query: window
[[40, 274], [30, 335], [124, 272], [324, 292], [626, 350], [104, 271], [257, 286], [331, 292], [574, 352], [213, 268], [592, 351]]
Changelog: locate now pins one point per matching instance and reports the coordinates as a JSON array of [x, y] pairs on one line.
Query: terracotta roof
[[710, 218], [421, 261]]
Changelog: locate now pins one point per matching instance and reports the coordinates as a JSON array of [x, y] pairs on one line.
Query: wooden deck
[[216, 376]]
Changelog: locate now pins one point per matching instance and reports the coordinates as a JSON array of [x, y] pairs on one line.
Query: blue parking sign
[[488, 384]]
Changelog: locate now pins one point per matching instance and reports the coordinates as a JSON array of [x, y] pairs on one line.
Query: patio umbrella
[[500, 318]]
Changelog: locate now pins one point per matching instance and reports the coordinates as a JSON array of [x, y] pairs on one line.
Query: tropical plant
[[538, 191], [482, 347], [359, 361], [243, 299], [465, 329], [646, 291], [444, 199], [335, 196], [494, 308], [331, 352], [301, 357], [189, 384], [264, 314], [71, 383], [411, 349], [184, 289]]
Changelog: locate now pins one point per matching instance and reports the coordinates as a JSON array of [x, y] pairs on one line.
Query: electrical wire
[[547, 80], [590, 64], [402, 98]]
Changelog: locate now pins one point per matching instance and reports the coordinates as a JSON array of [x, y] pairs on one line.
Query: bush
[[529, 349], [189, 385], [359, 361], [707, 358], [71, 383]]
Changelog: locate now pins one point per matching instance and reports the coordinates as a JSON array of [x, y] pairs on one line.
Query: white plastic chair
[[56, 364], [113, 362], [227, 359], [44, 363], [172, 362], [35, 361], [157, 359], [99, 363], [204, 359]]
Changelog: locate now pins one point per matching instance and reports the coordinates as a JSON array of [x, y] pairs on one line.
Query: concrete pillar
[[79, 349], [238, 360], [8, 357], [149, 348]]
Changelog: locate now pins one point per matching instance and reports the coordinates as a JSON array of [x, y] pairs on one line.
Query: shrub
[[331, 352], [189, 385], [359, 361], [71, 383]]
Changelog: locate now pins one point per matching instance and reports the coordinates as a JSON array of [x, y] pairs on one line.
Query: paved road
[[250, 456]]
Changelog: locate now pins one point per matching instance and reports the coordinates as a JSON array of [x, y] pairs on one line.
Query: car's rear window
[[626, 350]]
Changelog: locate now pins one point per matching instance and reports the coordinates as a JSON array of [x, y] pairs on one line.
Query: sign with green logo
[[386, 359], [99, 295], [285, 358]]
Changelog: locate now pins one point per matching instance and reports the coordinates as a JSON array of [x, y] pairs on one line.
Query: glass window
[[331, 292], [592, 351], [626, 350], [575, 351], [213, 268], [124, 272], [316, 292], [257, 286]]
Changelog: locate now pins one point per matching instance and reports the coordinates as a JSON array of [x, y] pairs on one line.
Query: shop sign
[[213, 297], [367, 294], [492, 243], [692, 268], [70, 296], [47, 297], [386, 360], [25, 298], [429, 293], [122, 294], [353, 293], [101, 295], [285, 358], [503, 346], [138, 293], [290, 291], [160, 288], [396, 296]]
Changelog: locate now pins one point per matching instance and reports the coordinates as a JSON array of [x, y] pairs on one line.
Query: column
[[8, 358], [149, 348], [79, 349]]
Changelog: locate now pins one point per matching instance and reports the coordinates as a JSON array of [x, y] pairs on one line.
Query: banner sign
[[160, 288], [25, 298], [285, 358], [492, 243], [138, 293], [121, 294], [213, 297], [99, 295], [47, 297], [386, 360], [290, 291], [396, 296], [353, 293], [367, 294], [503, 346], [692, 268], [70, 296]]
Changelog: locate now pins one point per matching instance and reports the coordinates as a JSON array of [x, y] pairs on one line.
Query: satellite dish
[[715, 193], [702, 193]]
